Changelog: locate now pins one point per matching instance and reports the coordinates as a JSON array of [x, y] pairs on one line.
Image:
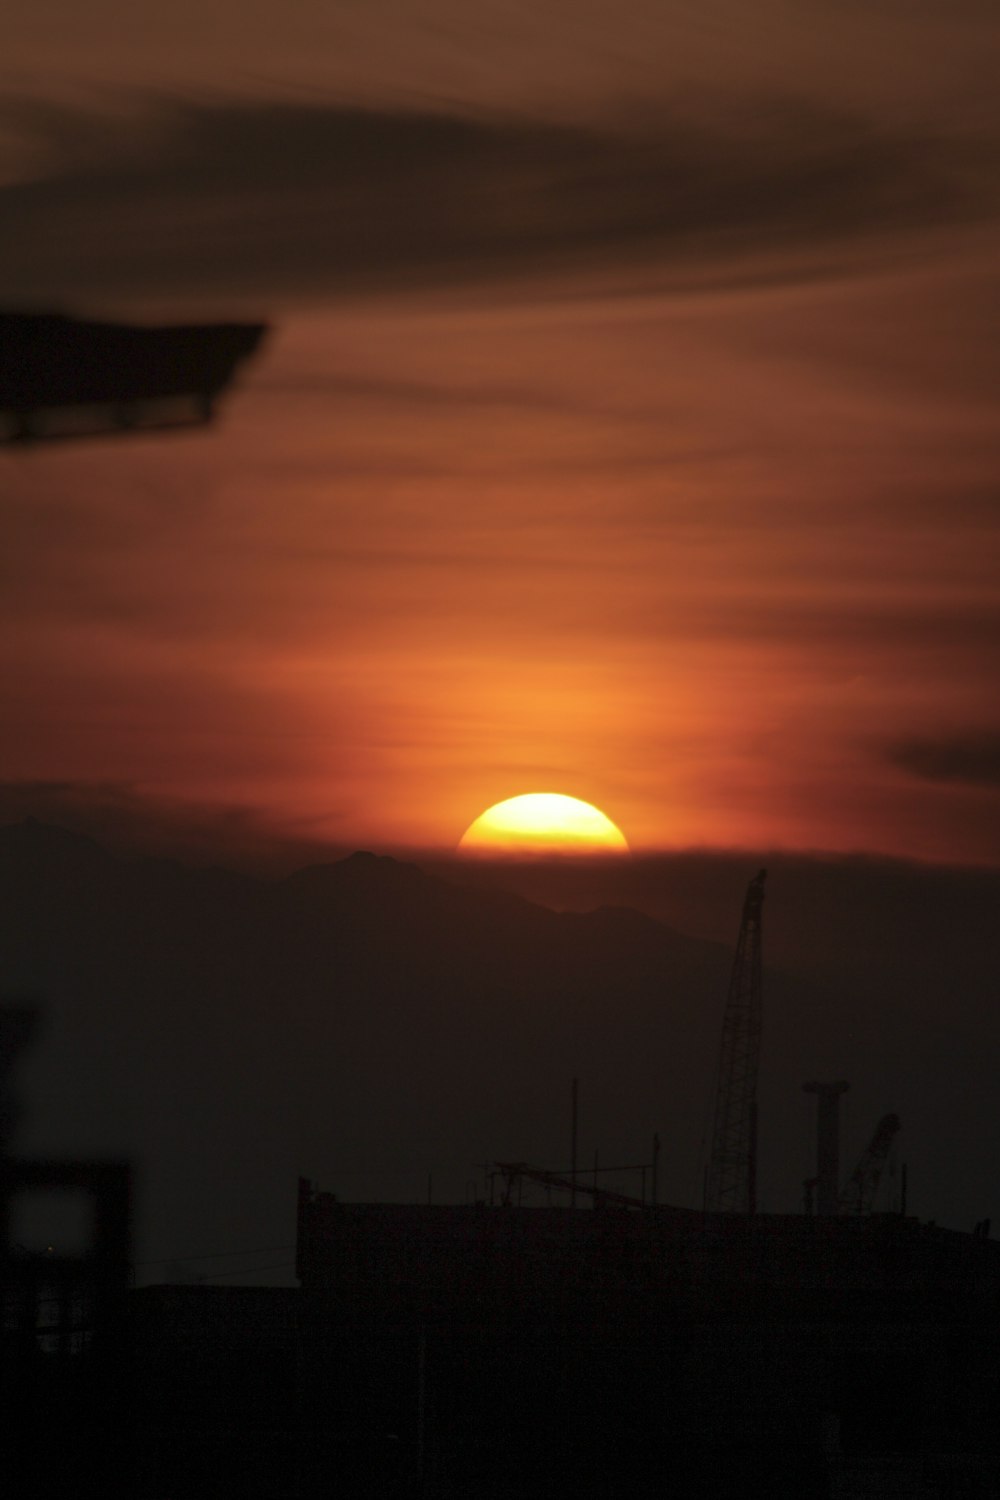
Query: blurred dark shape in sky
[[66, 377]]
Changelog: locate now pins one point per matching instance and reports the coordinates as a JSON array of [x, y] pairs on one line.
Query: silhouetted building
[[534, 1347], [63, 1350], [215, 1392]]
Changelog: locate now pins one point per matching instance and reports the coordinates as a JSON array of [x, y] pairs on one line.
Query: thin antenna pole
[[575, 1107], [752, 1162], [421, 1400]]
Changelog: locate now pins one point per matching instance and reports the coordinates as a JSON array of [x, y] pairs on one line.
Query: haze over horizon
[[368, 1023]]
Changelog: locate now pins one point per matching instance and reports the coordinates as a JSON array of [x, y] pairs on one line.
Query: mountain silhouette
[[373, 1025], [362, 1021]]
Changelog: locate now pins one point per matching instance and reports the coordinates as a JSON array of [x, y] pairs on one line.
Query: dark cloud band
[[972, 758], [269, 199]]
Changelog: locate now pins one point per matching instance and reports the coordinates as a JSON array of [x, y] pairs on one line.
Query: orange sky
[[656, 466]]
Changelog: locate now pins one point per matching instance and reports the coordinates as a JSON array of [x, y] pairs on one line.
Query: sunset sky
[[627, 427]]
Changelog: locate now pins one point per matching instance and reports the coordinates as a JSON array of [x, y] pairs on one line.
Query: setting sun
[[543, 823]]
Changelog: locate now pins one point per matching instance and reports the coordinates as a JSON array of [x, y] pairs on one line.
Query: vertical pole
[[752, 1166], [421, 1400], [827, 1144], [575, 1106], [65, 1314]]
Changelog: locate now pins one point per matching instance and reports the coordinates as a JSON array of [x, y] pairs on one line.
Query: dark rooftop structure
[[710, 1352]]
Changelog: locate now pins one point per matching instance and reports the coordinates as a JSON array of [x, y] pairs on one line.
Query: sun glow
[[543, 823]]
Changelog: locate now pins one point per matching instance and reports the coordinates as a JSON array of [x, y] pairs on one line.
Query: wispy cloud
[[690, 489], [277, 200], [972, 758]]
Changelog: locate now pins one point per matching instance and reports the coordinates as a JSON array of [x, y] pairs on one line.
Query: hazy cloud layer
[[282, 200], [131, 821], [628, 423], [693, 558], [568, 57]]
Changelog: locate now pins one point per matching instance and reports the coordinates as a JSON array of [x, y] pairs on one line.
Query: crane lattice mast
[[731, 1181], [858, 1196]]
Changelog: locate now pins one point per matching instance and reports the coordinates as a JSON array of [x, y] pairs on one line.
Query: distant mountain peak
[[361, 876], [32, 836]]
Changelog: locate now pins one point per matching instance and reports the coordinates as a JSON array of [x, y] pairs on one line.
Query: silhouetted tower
[[731, 1186], [827, 1143]]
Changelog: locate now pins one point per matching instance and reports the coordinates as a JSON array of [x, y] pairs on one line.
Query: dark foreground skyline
[[629, 431], [373, 1025]]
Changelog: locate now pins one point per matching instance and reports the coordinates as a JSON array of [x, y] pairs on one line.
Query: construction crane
[[731, 1185], [858, 1195]]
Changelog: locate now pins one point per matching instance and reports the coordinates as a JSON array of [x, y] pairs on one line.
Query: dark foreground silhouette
[[218, 1029]]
